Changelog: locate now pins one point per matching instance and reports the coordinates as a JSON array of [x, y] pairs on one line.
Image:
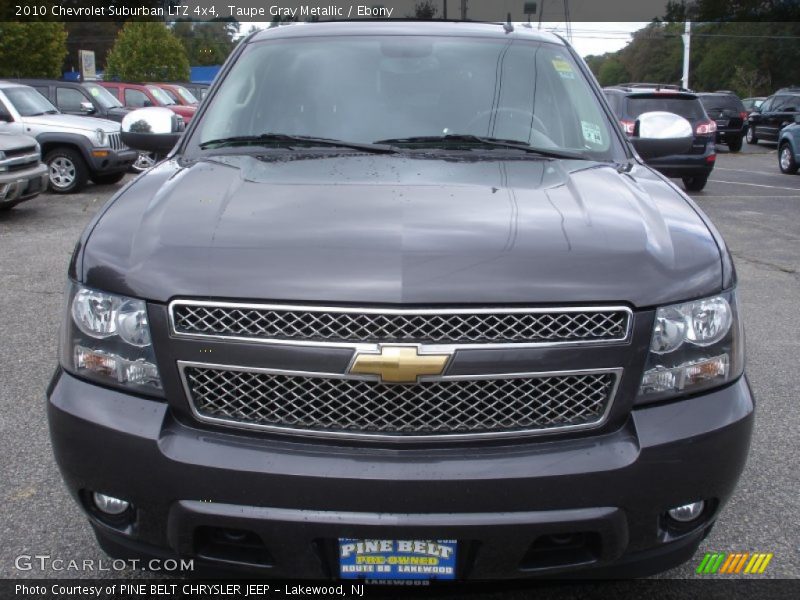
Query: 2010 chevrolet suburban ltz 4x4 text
[[403, 302]]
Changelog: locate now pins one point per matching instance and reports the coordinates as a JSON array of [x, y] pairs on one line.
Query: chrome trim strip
[[382, 437], [374, 347]]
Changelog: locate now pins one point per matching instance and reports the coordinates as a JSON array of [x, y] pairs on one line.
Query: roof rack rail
[[655, 86]]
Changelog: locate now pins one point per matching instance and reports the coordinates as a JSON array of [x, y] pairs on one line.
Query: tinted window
[[786, 103], [688, 108], [366, 89], [136, 98], [722, 102], [69, 99]]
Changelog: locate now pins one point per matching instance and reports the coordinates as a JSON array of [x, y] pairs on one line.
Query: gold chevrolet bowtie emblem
[[399, 364]]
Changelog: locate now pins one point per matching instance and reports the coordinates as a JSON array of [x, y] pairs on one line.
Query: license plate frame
[[382, 559]]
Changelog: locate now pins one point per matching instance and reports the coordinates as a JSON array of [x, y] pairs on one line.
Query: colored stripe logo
[[734, 563]]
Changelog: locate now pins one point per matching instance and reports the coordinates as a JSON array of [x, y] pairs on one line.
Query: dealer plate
[[397, 559]]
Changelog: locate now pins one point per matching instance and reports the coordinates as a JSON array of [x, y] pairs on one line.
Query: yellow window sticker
[[564, 68], [592, 133], [94, 91]]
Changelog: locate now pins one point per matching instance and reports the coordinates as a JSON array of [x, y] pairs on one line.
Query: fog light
[[687, 512], [110, 505]]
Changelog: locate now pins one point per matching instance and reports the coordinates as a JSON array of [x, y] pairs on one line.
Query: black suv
[[775, 113], [693, 166], [402, 303], [79, 98], [730, 116]]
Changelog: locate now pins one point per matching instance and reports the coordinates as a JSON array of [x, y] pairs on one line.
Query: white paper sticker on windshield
[[592, 133]]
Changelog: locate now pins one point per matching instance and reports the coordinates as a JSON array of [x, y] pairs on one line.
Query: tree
[[207, 42], [612, 72], [425, 10], [749, 82], [32, 49], [98, 36], [147, 51]]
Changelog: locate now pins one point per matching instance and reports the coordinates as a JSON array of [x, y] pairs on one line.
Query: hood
[[117, 113], [13, 142], [73, 122], [390, 229], [184, 111]]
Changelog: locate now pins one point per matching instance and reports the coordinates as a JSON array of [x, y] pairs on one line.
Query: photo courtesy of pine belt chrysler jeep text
[[403, 301]]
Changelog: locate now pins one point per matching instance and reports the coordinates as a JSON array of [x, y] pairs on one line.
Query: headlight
[[102, 138], [107, 339], [695, 346]]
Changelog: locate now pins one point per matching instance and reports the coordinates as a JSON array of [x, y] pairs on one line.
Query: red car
[[138, 95], [179, 94]]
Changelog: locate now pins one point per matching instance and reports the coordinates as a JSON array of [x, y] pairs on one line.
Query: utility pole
[[687, 43], [541, 12], [444, 10], [463, 10]]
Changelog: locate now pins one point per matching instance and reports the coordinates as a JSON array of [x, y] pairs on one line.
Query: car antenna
[[508, 25]]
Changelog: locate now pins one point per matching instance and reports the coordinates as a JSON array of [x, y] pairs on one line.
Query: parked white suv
[[75, 148]]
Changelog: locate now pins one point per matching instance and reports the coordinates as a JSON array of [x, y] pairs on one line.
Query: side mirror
[[153, 129], [87, 107], [146, 103], [661, 134], [790, 109]]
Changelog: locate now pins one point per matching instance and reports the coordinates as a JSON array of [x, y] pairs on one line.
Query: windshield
[[160, 95], [28, 102], [372, 89], [102, 95], [187, 96]]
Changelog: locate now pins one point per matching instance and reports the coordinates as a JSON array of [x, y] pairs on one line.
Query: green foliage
[[34, 49], [424, 9], [147, 51], [748, 58], [613, 72], [207, 42]]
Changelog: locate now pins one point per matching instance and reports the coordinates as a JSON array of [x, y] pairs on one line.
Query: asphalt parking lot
[[756, 208]]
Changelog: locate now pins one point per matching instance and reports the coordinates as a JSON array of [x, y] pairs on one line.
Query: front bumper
[[16, 186], [106, 161], [499, 501]]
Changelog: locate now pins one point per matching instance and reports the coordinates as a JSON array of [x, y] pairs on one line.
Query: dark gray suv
[[403, 302]]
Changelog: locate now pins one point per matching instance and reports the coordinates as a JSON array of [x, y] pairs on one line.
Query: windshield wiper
[[484, 141], [286, 139]]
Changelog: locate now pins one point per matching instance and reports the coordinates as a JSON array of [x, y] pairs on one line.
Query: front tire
[[735, 144], [786, 160], [751, 136], [108, 179], [695, 183], [67, 171]]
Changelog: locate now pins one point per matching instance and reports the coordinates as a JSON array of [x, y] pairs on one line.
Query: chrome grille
[[115, 142], [276, 322], [336, 406]]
